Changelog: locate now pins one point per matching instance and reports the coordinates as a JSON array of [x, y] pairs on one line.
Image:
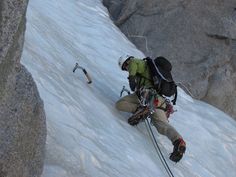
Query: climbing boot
[[178, 150]]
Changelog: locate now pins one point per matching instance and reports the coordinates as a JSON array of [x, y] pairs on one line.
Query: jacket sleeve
[[132, 82], [132, 68]]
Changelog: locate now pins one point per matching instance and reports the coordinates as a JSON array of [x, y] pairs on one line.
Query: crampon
[[178, 150]]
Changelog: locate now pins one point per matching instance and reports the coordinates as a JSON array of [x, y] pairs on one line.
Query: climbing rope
[[157, 148], [184, 87]]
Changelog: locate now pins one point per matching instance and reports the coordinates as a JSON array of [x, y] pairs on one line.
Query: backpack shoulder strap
[[175, 98]]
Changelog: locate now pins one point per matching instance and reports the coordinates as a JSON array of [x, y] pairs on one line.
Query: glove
[[132, 82]]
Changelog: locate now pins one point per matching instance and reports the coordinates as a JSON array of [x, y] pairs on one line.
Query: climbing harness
[[148, 98]]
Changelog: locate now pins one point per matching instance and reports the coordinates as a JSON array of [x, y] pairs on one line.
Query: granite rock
[[22, 116]]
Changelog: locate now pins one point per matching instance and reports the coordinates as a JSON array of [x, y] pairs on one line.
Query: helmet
[[122, 60]]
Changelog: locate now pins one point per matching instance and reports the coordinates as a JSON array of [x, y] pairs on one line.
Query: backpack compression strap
[[159, 71]]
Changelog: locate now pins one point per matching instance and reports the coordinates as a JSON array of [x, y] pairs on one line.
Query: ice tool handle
[[84, 71]]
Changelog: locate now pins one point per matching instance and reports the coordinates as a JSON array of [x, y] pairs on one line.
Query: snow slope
[[87, 136]]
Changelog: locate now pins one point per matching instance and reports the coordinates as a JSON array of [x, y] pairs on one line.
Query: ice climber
[[139, 80]]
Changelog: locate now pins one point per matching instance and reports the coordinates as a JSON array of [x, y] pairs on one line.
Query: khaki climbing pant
[[129, 103]]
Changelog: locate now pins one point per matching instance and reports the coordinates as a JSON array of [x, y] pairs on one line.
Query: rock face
[[22, 117], [198, 37]]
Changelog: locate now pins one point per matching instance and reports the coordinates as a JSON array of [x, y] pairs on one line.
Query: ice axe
[[77, 66], [124, 90]]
